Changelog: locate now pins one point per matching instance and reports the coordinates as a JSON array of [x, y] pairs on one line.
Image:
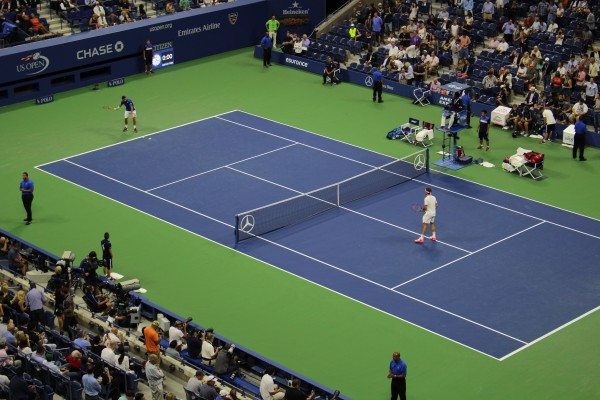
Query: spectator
[[580, 77], [432, 63], [19, 389], [16, 262], [74, 359], [194, 384], [464, 69], [155, 377], [83, 342], [268, 389], [272, 26], [36, 25], [532, 97], [19, 303], [377, 28], [419, 73], [108, 354], [353, 32], [493, 43], [152, 340], [500, 8], [454, 28], [169, 8], [443, 15], [91, 385], [467, 6], [409, 74], [99, 11], [455, 49], [435, 85], [305, 43], [579, 111], [488, 10], [490, 80], [184, 5], [35, 302], [125, 17], [287, 46], [591, 92], [502, 46], [172, 351], [295, 393], [502, 98], [297, 45], [208, 391], [142, 12]]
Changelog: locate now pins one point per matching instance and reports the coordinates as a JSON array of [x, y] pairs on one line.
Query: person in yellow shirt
[[272, 27], [353, 32]]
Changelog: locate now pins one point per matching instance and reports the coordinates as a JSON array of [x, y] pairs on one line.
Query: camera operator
[[177, 332], [226, 362], [194, 344]]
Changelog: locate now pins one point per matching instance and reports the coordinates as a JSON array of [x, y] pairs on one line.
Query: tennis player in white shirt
[[429, 207]]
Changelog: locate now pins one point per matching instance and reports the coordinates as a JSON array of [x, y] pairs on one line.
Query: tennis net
[[290, 211]]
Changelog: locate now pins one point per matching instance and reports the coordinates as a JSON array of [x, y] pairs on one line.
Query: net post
[[427, 160], [237, 229]]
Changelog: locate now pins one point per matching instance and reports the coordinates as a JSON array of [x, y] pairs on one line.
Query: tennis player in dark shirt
[[129, 111]]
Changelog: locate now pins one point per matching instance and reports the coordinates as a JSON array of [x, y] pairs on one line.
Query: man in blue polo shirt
[[579, 139], [377, 26], [378, 85], [397, 374], [266, 43], [26, 188]]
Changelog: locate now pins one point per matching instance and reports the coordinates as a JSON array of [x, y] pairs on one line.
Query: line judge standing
[[378, 84], [26, 188], [267, 44], [397, 374]]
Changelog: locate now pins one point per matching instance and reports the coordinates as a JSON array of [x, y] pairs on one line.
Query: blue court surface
[[505, 273]]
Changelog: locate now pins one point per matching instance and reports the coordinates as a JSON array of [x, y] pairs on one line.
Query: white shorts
[[131, 114], [428, 218]]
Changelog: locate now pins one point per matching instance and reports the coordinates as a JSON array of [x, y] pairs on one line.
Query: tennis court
[[490, 283]]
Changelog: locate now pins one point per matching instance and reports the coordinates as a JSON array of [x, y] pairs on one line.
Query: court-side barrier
[[389, 86], [151, 310]]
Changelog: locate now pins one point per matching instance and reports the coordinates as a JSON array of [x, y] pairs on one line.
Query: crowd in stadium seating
[[544, 45], [44, 352]]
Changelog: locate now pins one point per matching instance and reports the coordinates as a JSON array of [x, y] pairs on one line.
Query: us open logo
[[247, 223], [369, 81], [33, 64]]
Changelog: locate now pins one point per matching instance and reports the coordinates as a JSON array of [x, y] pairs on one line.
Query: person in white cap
[[429, 207]]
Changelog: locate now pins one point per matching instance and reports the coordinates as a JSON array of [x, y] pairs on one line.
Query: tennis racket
[[108, 108], [418, 208]]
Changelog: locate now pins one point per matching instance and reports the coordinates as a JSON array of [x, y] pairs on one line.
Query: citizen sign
[[33, 64], [100, 50], [299, 63]]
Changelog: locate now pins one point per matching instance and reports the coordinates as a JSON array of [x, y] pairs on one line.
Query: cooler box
[[569, 136], [500, 115]]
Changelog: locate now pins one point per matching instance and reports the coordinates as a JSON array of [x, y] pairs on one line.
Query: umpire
[[267, 44], [378, 85], [397, 374]]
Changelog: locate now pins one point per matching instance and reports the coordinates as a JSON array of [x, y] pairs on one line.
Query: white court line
[[345, 209], [467, 255], [132, 139], [441, 172], [265, 262], [550, 333], [218, 168]]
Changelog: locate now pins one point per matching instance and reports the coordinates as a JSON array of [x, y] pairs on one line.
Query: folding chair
[[533, 170], [421, 96], [410, 129]]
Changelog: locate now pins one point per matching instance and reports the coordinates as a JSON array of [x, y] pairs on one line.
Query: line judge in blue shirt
[[579, 139], [26, 188], [267, 44], [377, 85], [397, 374]]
